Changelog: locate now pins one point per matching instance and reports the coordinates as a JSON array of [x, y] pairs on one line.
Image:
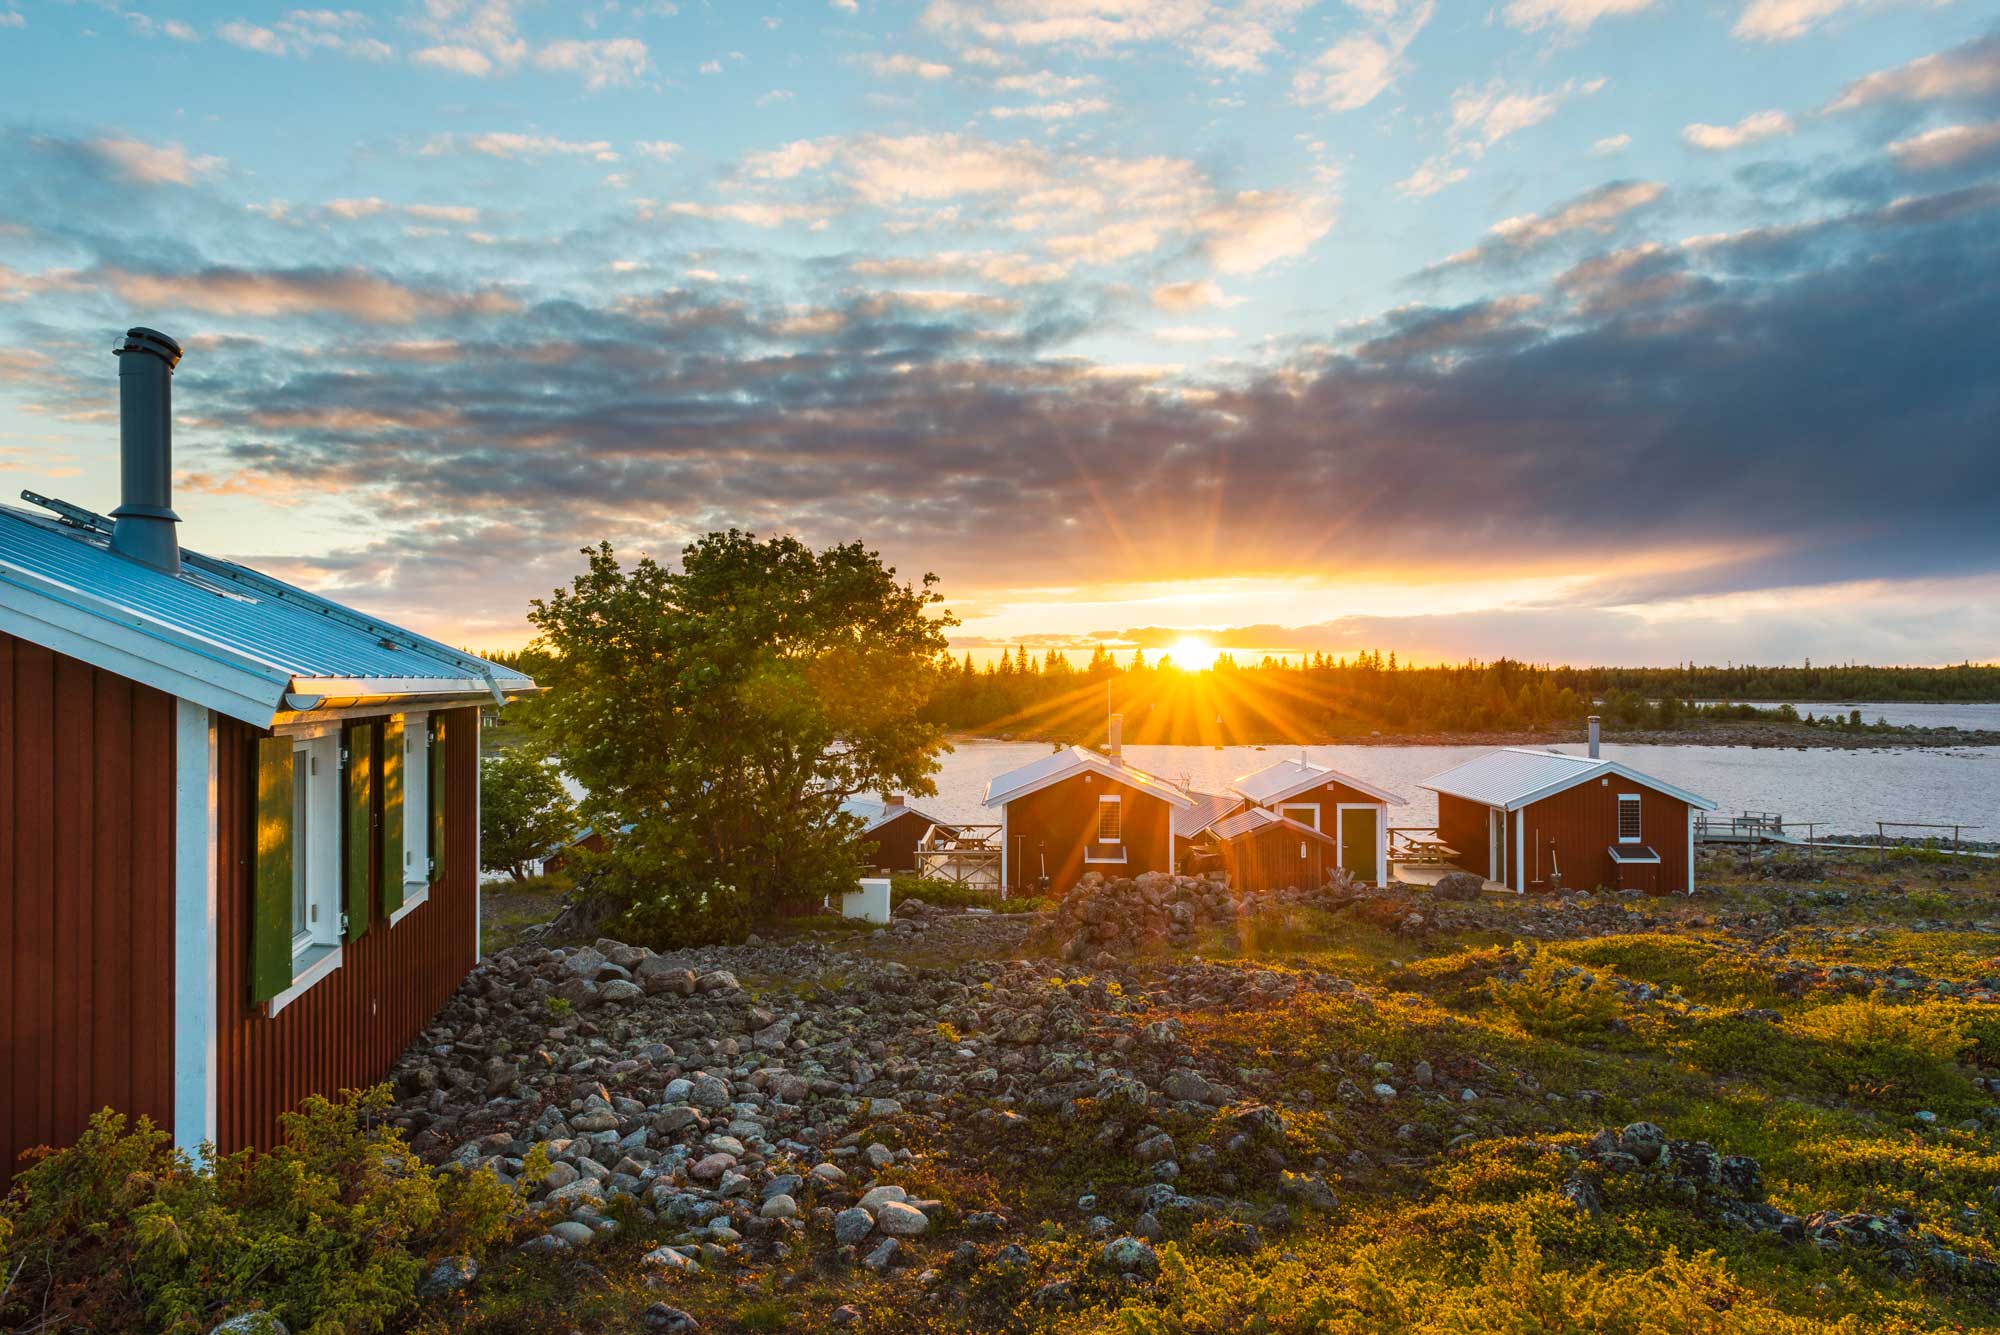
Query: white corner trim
[[1005, 883], [478, 865], [1690, 825], [1520, 853], [411, 903], [321, 966], [195, 1014]]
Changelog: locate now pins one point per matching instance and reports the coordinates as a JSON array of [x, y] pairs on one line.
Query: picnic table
[[1428, 850]]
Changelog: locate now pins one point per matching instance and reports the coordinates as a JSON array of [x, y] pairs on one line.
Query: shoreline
[[1763, 736]]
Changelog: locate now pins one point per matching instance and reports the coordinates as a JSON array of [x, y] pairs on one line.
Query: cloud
[[1360, 67], [1010, 268], [1570, 15], [1188, 333], [517, 146], [301, 32], [1232, 35], [1610, 145], [352, 210], [1595, 211], [904, 65], [1053, 111], [353, 294], [1256, 228], [1189, 296], [152, 164], [1480, 118], [1783, 20], [1947, 146], [1967, 73], [610, 63], [660, 150], [1752, 129]]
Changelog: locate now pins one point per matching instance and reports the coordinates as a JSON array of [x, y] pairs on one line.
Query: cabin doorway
[[1360, 836]]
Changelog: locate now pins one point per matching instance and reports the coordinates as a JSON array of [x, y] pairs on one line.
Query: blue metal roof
[[218, 618]]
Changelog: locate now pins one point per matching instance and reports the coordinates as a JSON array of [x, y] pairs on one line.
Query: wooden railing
[[967, 855]]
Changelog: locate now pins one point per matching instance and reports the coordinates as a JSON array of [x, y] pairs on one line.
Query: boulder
[[1462, 886]]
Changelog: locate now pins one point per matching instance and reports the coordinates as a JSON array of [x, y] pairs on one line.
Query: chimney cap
[[141, 339]]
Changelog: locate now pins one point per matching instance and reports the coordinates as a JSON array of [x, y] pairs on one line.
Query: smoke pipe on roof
[[145, 516], [1593, 737], [1115, 737]]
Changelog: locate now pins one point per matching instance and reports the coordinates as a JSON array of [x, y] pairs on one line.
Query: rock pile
[[1117, 918], [1731, 1187]]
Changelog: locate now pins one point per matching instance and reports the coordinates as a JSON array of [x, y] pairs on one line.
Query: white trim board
[[195, 922]]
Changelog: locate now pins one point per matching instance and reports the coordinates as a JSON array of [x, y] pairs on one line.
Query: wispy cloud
[[1966, 73], [153, 164], [1755, 128], [1569, 15], [518, 146], [1363, 65]]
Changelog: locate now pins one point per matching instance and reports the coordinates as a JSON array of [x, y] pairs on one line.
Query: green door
[[1358, 840]]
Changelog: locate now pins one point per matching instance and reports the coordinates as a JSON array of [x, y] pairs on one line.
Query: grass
[[1450, 1215]]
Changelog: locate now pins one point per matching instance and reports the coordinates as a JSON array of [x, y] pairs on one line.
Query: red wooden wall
[[86, 898], [1581, 825], [1462, 825], [1268, 859], [1062, 818], [1328, 797], [348, 1029]]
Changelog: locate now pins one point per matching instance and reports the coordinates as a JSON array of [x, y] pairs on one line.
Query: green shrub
[[1553, 1000], [949, 894], [330, 1232]]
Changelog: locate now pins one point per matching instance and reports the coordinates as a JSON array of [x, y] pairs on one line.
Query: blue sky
[[1605, 330]]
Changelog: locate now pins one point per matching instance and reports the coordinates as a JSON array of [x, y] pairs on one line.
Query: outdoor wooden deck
[[1430, 873]]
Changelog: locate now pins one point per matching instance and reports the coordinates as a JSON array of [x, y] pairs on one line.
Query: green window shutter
[[392, 815], [358, 843], [437, 798], [271, 897]]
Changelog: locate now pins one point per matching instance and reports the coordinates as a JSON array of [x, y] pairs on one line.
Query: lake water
[[1847, 791]]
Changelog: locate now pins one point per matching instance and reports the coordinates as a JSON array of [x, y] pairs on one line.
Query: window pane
[[1107, 822], [301, 845], [1628, 818]]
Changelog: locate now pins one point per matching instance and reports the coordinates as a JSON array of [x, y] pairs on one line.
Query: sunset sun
[[1193, 653]]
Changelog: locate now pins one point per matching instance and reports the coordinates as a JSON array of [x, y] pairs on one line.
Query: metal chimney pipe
[[1114, 740], [145, 517], [1593, 737]]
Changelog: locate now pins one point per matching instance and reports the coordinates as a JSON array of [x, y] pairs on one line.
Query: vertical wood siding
[[1268, 859], [1581, 824], [1328, 798], [348, 1029], [1463, 826], [86, 898], [893, 847], [1062, 818]]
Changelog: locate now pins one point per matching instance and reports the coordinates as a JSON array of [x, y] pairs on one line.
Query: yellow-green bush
[[330, 1232], [1545, 1002]]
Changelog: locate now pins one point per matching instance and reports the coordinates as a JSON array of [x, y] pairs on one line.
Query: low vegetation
[[1449, 1084]]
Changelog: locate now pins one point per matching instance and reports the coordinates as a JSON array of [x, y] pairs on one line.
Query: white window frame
[[317, 954], [1638, 802], [1097, 839], [416, 815], [1286, 809]]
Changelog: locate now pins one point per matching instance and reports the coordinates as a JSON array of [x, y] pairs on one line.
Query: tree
[[524, 811], [717, 715]]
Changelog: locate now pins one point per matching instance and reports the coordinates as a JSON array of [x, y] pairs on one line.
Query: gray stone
[[1643, 1141], [1458, 885], [660, 1319], [900, 1219], [879, 1196], [619, 990], [852, 1225], [672, 1261], [1130, 1255], [448, 1276], [780, 1206], [883, 1256], [573, 1233], [251, 1323]]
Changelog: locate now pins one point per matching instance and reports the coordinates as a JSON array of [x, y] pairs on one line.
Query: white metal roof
[[1515, 776], [1287, 778], [879, 813], [1261, 818], [217, 633], [1069, 762], [1207, 809]]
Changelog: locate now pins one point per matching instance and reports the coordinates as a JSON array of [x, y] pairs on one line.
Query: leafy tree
[[524, 811], [722, 711]]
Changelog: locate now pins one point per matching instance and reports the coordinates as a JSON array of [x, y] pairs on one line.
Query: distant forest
[[1321, 696]]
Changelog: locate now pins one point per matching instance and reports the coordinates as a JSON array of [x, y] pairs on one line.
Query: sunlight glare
[[1193, 654]]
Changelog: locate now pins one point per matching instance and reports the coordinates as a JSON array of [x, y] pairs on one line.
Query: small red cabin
[[239, 823], [1079, 811], [1539, 820], [1352, 812], [891, 830], [1261, 850]]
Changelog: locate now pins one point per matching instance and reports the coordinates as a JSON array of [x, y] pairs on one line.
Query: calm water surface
[[1846, 790]]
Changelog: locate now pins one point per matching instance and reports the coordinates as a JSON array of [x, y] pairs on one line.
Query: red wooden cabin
[[1534, 820], [239, 823], [1353, 812], [1077, 811], [1260, 850], [891, 830]]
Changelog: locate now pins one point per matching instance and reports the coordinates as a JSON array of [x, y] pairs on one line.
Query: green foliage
[[949, 894], [524, 811], [330, 1232], [723, 710], [1556, 1000]]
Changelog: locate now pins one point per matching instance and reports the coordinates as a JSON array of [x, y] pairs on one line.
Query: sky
[[1584, 331]]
